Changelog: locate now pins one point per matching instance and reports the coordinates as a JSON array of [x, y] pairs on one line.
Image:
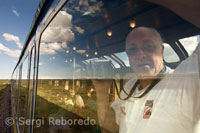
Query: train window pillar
[[30, 88]]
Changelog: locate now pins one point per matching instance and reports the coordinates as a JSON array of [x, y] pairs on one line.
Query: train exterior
[[71, 43]]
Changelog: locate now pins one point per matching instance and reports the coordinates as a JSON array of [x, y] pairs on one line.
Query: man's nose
[[141, 53]]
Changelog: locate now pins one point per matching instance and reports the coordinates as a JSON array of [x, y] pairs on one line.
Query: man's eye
[[132, 50]]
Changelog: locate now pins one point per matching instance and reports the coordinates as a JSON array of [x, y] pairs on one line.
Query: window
[[15, 92], [190, 43], [123, 56], [93, 31], [23, 91], [116, 65], [14, 87], [30, 88], [169, 54]]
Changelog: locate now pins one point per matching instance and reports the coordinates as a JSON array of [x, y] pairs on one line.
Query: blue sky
[[16, 19]]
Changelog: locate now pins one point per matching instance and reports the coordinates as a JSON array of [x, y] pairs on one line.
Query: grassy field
[[3, 84]]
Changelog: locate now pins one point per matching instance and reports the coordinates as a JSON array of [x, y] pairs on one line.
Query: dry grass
[[3, 84]]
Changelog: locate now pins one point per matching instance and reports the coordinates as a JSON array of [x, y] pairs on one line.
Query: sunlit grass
[[57, 97], [55, 100]]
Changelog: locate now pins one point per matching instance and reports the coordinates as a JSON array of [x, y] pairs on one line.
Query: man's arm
[[106, 114], [187, 9]]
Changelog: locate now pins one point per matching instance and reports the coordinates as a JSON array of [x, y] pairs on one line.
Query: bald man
[[145, 52], [152, 101], [174, 103]]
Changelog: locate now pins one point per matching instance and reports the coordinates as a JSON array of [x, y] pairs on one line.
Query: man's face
[[145, 53]]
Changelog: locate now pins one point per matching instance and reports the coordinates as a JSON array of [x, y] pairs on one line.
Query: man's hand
[[106, 115], [102, 85]]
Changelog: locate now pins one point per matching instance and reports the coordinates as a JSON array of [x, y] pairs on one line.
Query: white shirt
[[176, 103]]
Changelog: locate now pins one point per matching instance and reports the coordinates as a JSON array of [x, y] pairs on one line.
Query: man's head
[[145, 51]]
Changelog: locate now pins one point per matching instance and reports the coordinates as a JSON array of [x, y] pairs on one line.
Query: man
[[145, 51], [173, 103], [169, 105]]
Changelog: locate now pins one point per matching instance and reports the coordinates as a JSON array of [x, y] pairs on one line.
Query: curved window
[[123, 56], [190, 43], [77, 52], [169, 54], [116, 65]]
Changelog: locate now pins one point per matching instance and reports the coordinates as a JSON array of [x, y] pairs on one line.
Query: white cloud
[[44, 49], [10, 52], [55, 46], [59, 32], [14, 61], [51, 48], [9, 37], [14, 53], [64, 45], [15, 12], [59, 29], [3, 48], [85, 8]]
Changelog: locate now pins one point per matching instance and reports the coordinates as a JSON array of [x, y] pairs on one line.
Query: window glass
[[123, 56], [190, 43], [23, 91], [169, 54], [30, 89], [16, 90], [89, 60], [75, 54], [116, 65], [67, 45]]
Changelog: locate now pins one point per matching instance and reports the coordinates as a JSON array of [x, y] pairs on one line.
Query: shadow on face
[[145, 52]]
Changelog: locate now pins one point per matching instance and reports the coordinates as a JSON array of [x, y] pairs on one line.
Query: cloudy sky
[[16, 18]]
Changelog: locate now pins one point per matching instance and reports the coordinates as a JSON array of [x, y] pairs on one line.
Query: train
[[51, 84]]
